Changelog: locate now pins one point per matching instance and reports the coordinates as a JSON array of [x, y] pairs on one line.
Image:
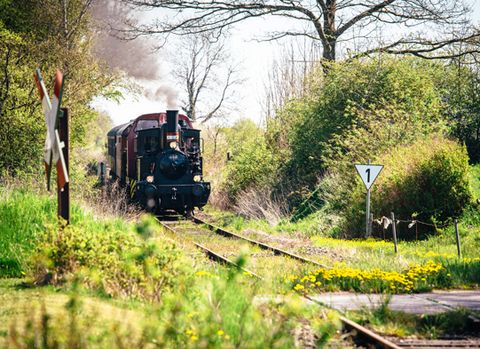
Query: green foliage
[[460, 89], [359, 110], [111, 257], [115, 262], [213, 313], [427, 180], [21, 124], [22, 218], [253, 164], [224, 314], [49, 36]]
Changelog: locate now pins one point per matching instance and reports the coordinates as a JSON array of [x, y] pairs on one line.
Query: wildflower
[[202, 273], [220, 333], [298, 287]]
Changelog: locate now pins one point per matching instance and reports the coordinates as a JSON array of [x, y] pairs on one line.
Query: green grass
[[475, 181], [366, 255], [315, 224], [23, 216], [99, 270], [384, 320]]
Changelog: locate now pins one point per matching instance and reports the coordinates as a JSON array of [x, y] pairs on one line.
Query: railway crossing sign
[[368, 173], [53, 145]]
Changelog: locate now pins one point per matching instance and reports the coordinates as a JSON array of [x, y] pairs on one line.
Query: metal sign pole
[[367, 231], [367, 215], [63, 194]]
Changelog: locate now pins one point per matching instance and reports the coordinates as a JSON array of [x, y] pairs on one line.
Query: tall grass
[[23, 216]]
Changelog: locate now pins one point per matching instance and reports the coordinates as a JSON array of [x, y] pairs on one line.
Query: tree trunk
[[330, 41], [329, 50]]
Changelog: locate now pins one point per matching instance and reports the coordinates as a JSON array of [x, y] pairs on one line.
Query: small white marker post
[[368, 173]]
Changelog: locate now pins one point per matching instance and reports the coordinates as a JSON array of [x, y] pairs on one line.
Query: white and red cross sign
[[53, 145]]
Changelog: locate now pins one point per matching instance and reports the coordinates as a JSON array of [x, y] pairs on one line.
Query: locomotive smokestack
[[172, 124]]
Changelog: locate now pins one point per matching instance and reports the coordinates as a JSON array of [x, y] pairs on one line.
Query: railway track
[[263, 261], [276, 251], [210, 253], [359, 334]]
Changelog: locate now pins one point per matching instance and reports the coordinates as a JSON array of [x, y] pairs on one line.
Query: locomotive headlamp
[[197, 178], [173, 145], [150, 179]]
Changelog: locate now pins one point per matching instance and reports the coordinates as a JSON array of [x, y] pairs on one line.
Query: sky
[[255, 59]]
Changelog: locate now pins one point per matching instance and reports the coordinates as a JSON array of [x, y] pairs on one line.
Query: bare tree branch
[[330, 20], [202, 68]]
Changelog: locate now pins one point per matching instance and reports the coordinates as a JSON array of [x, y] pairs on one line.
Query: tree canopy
[[47, 35]]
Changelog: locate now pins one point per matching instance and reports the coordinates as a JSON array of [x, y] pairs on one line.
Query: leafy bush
[[359, 110], [427, 180], [460, 89], [253, 164], [113, 261]]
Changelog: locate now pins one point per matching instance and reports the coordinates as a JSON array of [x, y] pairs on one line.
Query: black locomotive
[[158, 157]]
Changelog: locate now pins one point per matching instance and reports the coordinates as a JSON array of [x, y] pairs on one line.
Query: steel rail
[[211, 254], [368, 334], [276, 251], [360, 330]]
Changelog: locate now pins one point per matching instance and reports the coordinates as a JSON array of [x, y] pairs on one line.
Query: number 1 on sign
[[368, 175]]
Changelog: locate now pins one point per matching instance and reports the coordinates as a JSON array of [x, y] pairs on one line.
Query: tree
[[48, 34], [201, 67], [360, 110], [329, 21]]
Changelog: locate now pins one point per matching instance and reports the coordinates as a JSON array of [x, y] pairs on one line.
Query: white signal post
[[368, 173]]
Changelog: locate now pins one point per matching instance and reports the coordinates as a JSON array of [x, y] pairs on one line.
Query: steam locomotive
[[158, 158]]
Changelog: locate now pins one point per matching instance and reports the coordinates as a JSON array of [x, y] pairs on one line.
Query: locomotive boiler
[[158, 158]]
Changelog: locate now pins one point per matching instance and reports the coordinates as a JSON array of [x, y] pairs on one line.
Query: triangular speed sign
[[368, 173]]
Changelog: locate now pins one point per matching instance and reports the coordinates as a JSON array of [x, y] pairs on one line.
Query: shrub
[[253, 165], [359, 110], [427, 180], [113, 261]]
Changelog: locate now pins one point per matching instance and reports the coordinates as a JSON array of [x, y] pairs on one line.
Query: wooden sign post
[[63, 193]]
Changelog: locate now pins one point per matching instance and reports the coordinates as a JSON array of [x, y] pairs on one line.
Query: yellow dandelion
[[298, 287]]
